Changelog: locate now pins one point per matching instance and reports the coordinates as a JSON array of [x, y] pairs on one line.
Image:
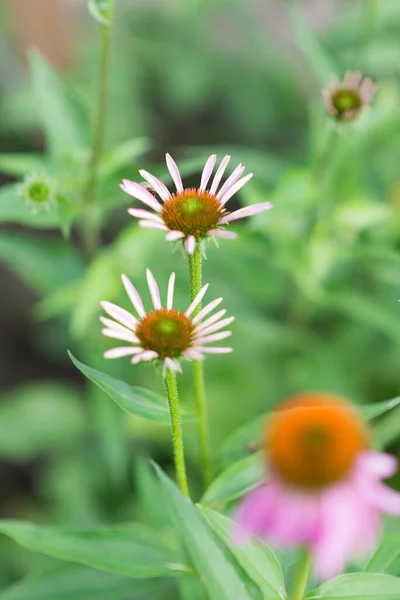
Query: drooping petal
[[133, 296], [247, 211], [219, 174], [174, 236], [207, 330], [207, 309], [174, 171], [140, 193], [190, 244], [197, 300], [119, 335], [231, 180], [146, 355], [215, 337], [235, 188], [208, 169], [253, 512], [223, 233], [193, 354], [218, 315], [153, 288], [120, 314], [156, 184], [146, 224], [213, 350], [110, 324], [122, 351], [170, 292], [140, 213], [378, 464], [172, 365]]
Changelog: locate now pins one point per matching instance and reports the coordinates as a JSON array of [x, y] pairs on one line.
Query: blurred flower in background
[[347, 100]]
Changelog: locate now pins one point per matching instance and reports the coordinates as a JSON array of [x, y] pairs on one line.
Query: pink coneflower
[[192, 214], [164, 334], [324, 489], [347, 100]]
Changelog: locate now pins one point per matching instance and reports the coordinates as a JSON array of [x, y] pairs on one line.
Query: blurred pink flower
[[164, 334], [191, 214], [336, 511], [347, 100]]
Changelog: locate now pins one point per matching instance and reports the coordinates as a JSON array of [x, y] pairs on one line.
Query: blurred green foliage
[[314, 283]]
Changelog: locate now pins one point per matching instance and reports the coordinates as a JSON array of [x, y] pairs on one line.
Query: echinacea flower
[[347, 100], [324, 489], [164, 334], [191, 214]]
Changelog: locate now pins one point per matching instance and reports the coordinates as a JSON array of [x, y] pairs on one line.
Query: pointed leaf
[[235, 481], [133, 400], [222, 575], [359, 586], [387, 556], [127, 549]]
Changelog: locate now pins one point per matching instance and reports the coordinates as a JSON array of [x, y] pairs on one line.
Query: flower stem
[[171, 391], [321, 168], [90, 228], [195, 275], [301, 576]]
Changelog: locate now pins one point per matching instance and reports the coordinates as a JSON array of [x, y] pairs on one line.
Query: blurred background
[[316, 306]]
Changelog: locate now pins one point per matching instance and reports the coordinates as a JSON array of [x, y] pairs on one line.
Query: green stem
[[369, 17], [321, 169], [195, 275], [301, 577], [90, 228], [171, 391]]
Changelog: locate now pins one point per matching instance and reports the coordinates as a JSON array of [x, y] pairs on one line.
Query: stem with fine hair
[[171, 391], [195, 276], [300, 579], [90, 231]]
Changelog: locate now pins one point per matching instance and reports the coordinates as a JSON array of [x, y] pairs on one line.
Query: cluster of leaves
[[315, 303]]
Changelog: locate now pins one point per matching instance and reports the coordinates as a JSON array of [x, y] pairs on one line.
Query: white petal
[[211, 320], [235, 188], [190, 244], [172, 365], [208, 308], [219, 174], [158, 185], [170, 292], [213, 350], [140, 213], [119, 335], [215, 337], [231, 180], [173, 169], [133, 296], [223, 233], [247, 211], [138, 191], [122, 351], [154, 291], [174, 236], [212, 328], [208, 169], [152, 225], [120, 314], [193, 354], [145, 355], [113, 324], [197, 300]]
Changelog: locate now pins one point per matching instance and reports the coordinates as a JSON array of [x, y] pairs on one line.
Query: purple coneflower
[[347, 100], [324, 489], [191, 214], [164, 334]]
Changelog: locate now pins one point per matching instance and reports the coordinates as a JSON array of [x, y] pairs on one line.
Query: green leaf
[[128, 549], [235, 481], [64, 132], [387, 556], [18, 165], [101, 11], [121, 156], [43, 264], [359, 586], [14, 209], [38, 418], [371, 411], [77, 582], [218, 568], [255, 557], [191, 588], [133, 400]]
